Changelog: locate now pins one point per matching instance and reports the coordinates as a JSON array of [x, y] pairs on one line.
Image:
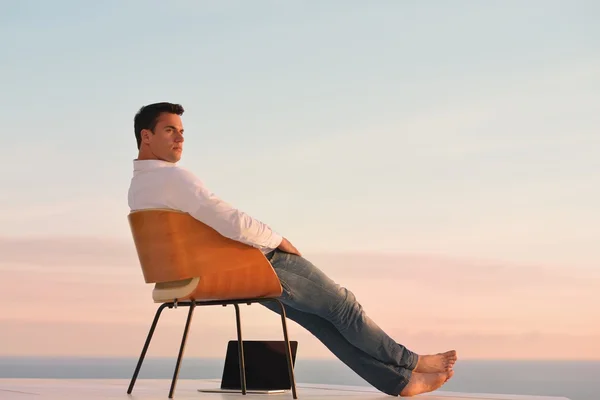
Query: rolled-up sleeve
[[189, 194]]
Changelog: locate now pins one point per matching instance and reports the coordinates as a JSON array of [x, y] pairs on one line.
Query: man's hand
[[286, 246]]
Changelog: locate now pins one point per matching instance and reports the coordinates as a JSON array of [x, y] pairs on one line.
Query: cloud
[[67, 251], [529, 345], [206, 340], [437, 271], [93, 257], [64, 288]]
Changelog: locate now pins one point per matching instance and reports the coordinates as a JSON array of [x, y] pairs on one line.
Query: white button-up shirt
[[162, 184]]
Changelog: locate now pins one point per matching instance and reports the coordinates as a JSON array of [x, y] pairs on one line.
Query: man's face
[[167, 141]]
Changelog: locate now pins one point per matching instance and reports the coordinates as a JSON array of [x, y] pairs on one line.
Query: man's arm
[[192, 196]]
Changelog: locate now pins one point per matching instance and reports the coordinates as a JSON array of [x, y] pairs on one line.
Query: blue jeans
[[333, 315]]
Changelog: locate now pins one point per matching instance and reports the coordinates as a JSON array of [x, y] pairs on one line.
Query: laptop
[[266, 367]]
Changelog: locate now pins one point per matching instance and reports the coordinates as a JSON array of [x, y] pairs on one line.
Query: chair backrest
[[172, 245]]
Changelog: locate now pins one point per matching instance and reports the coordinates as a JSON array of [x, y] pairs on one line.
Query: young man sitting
[[327, 310]]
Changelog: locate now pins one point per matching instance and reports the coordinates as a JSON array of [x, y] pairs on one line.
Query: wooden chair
[[192, 265]]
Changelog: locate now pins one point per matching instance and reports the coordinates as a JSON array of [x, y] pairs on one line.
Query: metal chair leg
[[240, 348], [288, 352], [146, 344], [192, 306], [181, 349]]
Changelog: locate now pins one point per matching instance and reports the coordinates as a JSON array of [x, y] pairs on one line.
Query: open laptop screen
[[266, 365]]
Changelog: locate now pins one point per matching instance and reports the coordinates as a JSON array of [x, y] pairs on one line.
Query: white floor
[[151, 389]]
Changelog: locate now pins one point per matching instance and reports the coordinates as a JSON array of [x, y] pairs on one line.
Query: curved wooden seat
[[183, 256], [191, 264]]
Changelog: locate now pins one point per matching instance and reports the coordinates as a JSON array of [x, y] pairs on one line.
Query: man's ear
[[146, 134]]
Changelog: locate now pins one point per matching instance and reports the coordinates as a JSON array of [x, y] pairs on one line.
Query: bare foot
[[423, 383], [440, 362]]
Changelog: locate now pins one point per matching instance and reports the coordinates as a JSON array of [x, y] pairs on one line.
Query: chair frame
[[192, 305]]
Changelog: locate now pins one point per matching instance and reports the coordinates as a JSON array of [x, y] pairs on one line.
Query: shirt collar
[[144, 165]]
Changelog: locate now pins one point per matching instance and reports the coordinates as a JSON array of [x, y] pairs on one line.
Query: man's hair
[[147, 117]]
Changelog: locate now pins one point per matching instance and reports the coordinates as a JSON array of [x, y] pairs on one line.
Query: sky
[[439, 159]]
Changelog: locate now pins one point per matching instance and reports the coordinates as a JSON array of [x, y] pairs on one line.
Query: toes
[[450, 355]]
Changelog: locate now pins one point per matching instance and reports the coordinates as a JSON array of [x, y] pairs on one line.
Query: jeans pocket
[[287, 291]]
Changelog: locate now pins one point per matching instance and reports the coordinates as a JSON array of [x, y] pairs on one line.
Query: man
[[327, 310]]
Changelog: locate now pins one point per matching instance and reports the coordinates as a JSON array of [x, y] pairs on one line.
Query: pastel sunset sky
[[440, 159]]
